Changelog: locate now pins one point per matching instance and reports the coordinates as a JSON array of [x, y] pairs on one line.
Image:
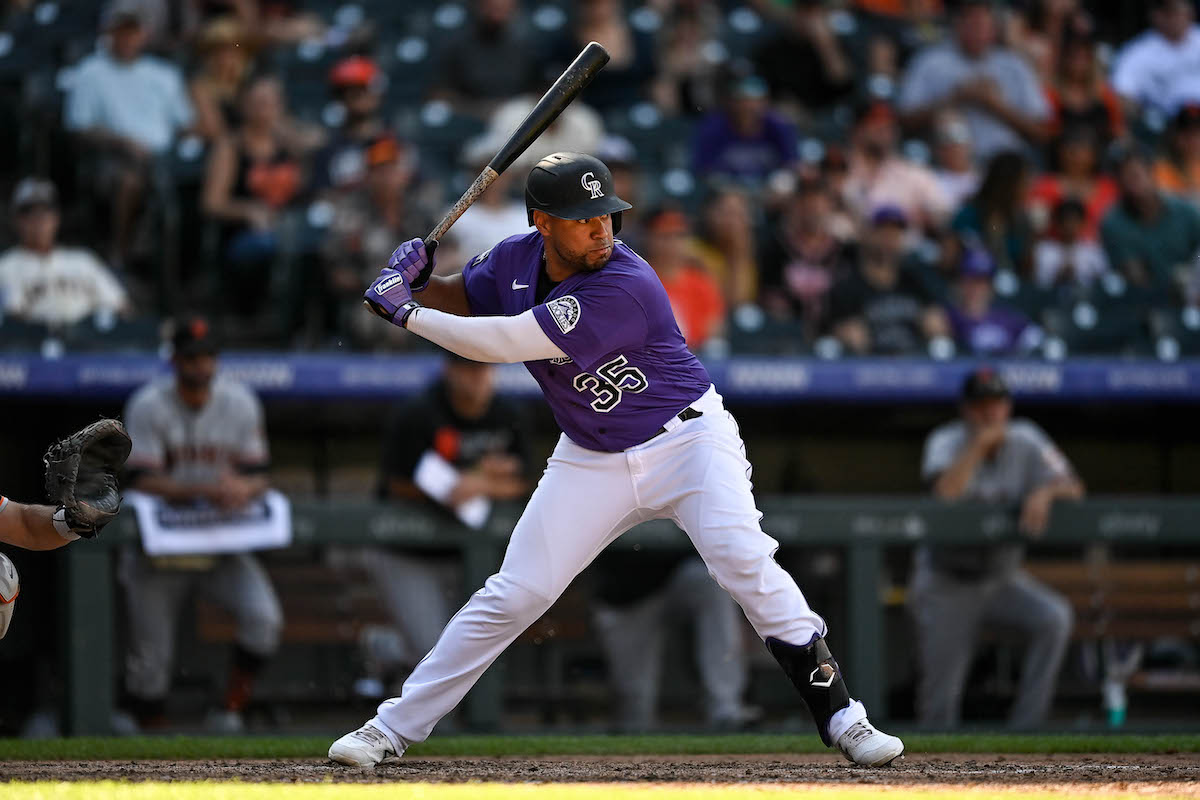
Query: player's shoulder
[[516, 249], [628, 271], [948, 434], [230, 390], [151, 396], [1023, 429]]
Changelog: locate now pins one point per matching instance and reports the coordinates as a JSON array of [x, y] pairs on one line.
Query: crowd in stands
[[838, 177]]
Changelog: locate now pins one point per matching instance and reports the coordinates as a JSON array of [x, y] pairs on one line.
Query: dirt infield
[[1179, 773]]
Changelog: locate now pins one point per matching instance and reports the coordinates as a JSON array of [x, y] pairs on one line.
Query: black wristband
[[403, 313]]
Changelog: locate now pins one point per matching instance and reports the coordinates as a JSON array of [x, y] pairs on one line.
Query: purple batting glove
[[390, 297], [415, 261]]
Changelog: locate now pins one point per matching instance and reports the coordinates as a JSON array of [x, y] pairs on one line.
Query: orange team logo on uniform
[[446, 442]]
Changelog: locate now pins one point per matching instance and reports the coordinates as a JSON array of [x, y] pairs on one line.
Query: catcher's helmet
[[573, 186]]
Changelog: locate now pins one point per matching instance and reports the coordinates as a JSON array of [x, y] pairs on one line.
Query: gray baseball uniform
[[958, 589], [193, 447]]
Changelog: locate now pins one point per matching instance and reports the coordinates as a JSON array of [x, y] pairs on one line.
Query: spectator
[[632, 68], [341, 164], [1150, 237], [803, 257], [958, 591], [880, 308], [1067, 256], [43, 282], [954, 166], [1150, 70], [1077, 175], [497, 214], [687, 77], [1036, 29], [998, 215], [997, 91], [980, 325], [126, 109], [640, 597], [198, 441], [489, 61], [1079, 96], [367, 222], [745, 141], [1178, 170], [628, 179], [804, 64], [252, 177], [880, 176], [459, 448], [578, 129], [726, 244], [225, 64], [695, 296]]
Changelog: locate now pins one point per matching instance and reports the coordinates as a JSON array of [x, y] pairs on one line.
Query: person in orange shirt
[[1178, 171], [694, 294], [1076, 175]]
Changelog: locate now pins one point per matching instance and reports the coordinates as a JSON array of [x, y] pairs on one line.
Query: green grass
[[109, 790], [182, 748]]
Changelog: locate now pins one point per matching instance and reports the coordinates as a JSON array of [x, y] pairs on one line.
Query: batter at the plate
[[645, 436]]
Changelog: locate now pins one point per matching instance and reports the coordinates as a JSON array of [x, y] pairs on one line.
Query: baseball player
[[645, 436], [81, 479], [197, 437], [958, 590]]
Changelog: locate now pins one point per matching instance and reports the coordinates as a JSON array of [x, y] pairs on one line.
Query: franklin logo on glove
[[388, 284]]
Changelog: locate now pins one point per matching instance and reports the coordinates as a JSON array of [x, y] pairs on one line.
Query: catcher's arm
[[30, 527]]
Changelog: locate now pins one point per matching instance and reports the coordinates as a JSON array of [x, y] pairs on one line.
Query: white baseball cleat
[[862, 744], [365, 747]]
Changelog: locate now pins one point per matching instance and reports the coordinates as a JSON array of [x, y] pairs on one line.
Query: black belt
[[684, 416]]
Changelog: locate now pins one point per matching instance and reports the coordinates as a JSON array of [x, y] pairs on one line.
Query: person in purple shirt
[[645, 436], [980, 325], [745, 141]]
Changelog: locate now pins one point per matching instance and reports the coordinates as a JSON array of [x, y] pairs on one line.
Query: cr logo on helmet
[[589, 182]]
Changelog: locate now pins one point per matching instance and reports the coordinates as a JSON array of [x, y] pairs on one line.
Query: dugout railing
[[862, 527]]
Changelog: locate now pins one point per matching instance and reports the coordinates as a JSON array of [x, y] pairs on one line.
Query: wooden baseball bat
[[585, 66]]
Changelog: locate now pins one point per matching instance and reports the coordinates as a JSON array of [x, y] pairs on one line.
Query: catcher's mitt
[[81, 476]]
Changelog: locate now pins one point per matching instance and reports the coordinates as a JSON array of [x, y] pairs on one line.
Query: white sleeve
[[493, 340]]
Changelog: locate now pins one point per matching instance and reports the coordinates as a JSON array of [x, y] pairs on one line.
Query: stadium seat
[[19, 336], [113, 334]]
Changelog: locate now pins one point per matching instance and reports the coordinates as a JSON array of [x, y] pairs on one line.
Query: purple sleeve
[[706, 144], [595, 321], [785, 137], [479, 279]]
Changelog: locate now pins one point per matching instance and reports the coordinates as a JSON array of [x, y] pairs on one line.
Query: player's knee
[[259, 631], [511, 602], [1057, 619]]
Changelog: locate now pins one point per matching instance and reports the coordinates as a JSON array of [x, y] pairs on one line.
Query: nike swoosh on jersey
[[517, 286]]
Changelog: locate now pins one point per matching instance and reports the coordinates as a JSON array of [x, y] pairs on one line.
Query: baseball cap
[[889, 215], [750, 86], [668, 221], [976, 263], [1187, 115], [354, 71], [982, 383], [34, 192], [193, 336], [123, 12]]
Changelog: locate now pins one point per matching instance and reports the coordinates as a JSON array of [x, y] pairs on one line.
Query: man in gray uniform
[[956, 590], [198, 438]]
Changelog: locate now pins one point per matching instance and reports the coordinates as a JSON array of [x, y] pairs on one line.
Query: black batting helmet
[[573, 186]]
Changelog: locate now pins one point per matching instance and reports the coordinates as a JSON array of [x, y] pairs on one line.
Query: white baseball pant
[[695, 474]]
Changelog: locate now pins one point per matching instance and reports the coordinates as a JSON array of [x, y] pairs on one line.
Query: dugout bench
[[862, 527]]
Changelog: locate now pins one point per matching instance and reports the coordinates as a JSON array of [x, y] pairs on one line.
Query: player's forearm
[[953, 482], [30, 527], [492, 340], [170, 489], [446, 294]]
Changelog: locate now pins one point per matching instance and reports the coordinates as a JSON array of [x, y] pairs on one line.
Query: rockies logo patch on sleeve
[[565, 311]]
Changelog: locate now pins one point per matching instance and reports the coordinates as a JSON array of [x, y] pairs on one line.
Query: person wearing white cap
[[43, 282]]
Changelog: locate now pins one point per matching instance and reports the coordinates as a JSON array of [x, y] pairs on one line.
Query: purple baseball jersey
[[628, 370]]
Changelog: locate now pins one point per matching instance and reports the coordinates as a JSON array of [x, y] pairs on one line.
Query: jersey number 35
[[610, 382]]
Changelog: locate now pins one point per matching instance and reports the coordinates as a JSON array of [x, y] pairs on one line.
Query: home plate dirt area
[[1151, 774]]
